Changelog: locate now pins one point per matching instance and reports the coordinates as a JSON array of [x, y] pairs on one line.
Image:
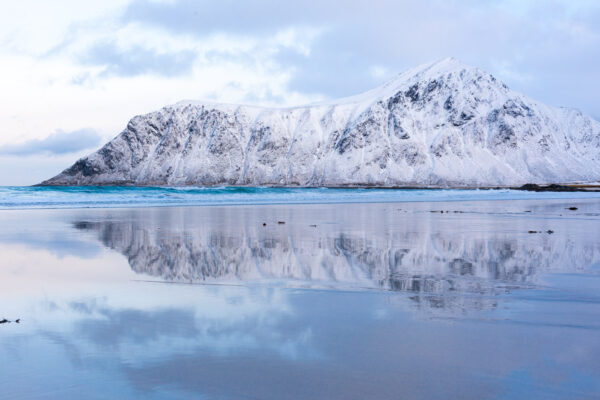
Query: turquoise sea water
[[23, 197]]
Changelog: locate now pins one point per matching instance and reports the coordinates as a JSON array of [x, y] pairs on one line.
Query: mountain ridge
[[437, 125]]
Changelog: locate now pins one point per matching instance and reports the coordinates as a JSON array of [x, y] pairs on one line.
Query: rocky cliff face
[[443, 124]]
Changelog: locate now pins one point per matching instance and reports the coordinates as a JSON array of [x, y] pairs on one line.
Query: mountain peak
[[439, 124], [437, 68], [450, 63], [437, 71]]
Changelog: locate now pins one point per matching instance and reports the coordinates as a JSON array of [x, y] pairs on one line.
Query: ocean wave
[[21, 197]]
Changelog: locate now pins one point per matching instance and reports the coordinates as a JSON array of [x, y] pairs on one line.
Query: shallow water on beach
[[28, 197], [485, 300]]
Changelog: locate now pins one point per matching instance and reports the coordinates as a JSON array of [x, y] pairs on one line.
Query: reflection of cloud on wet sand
[[247, 334], [222, 321], [247, 356]]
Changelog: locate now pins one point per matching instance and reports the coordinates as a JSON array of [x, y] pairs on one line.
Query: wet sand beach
[[421, 300]]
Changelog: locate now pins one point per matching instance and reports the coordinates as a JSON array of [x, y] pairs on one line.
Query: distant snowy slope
[[442, 124]]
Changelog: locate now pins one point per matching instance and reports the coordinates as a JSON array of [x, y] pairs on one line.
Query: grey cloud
[[138, 60], [555, 45], [59, 142], [138, 326], [338, 73], [203, 17]]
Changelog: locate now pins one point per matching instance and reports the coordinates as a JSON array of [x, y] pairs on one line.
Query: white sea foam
[[99, 197]]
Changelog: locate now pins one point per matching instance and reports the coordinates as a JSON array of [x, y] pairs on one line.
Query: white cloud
[[163, 51], [59, 91], [34, 27]]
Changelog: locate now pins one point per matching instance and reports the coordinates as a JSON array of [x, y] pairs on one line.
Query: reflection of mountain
[[461, 265]]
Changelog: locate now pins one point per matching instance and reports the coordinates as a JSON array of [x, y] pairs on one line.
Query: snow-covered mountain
[[442, 124]]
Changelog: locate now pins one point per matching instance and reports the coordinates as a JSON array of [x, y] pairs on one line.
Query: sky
[[73, 73]]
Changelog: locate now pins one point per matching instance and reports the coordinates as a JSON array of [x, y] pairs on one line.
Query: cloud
[[138, 60], [552, 43], [59, 142], [73, 64]]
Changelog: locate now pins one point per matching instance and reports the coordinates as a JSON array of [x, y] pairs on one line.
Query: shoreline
[[552, 187], [411, 203]]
